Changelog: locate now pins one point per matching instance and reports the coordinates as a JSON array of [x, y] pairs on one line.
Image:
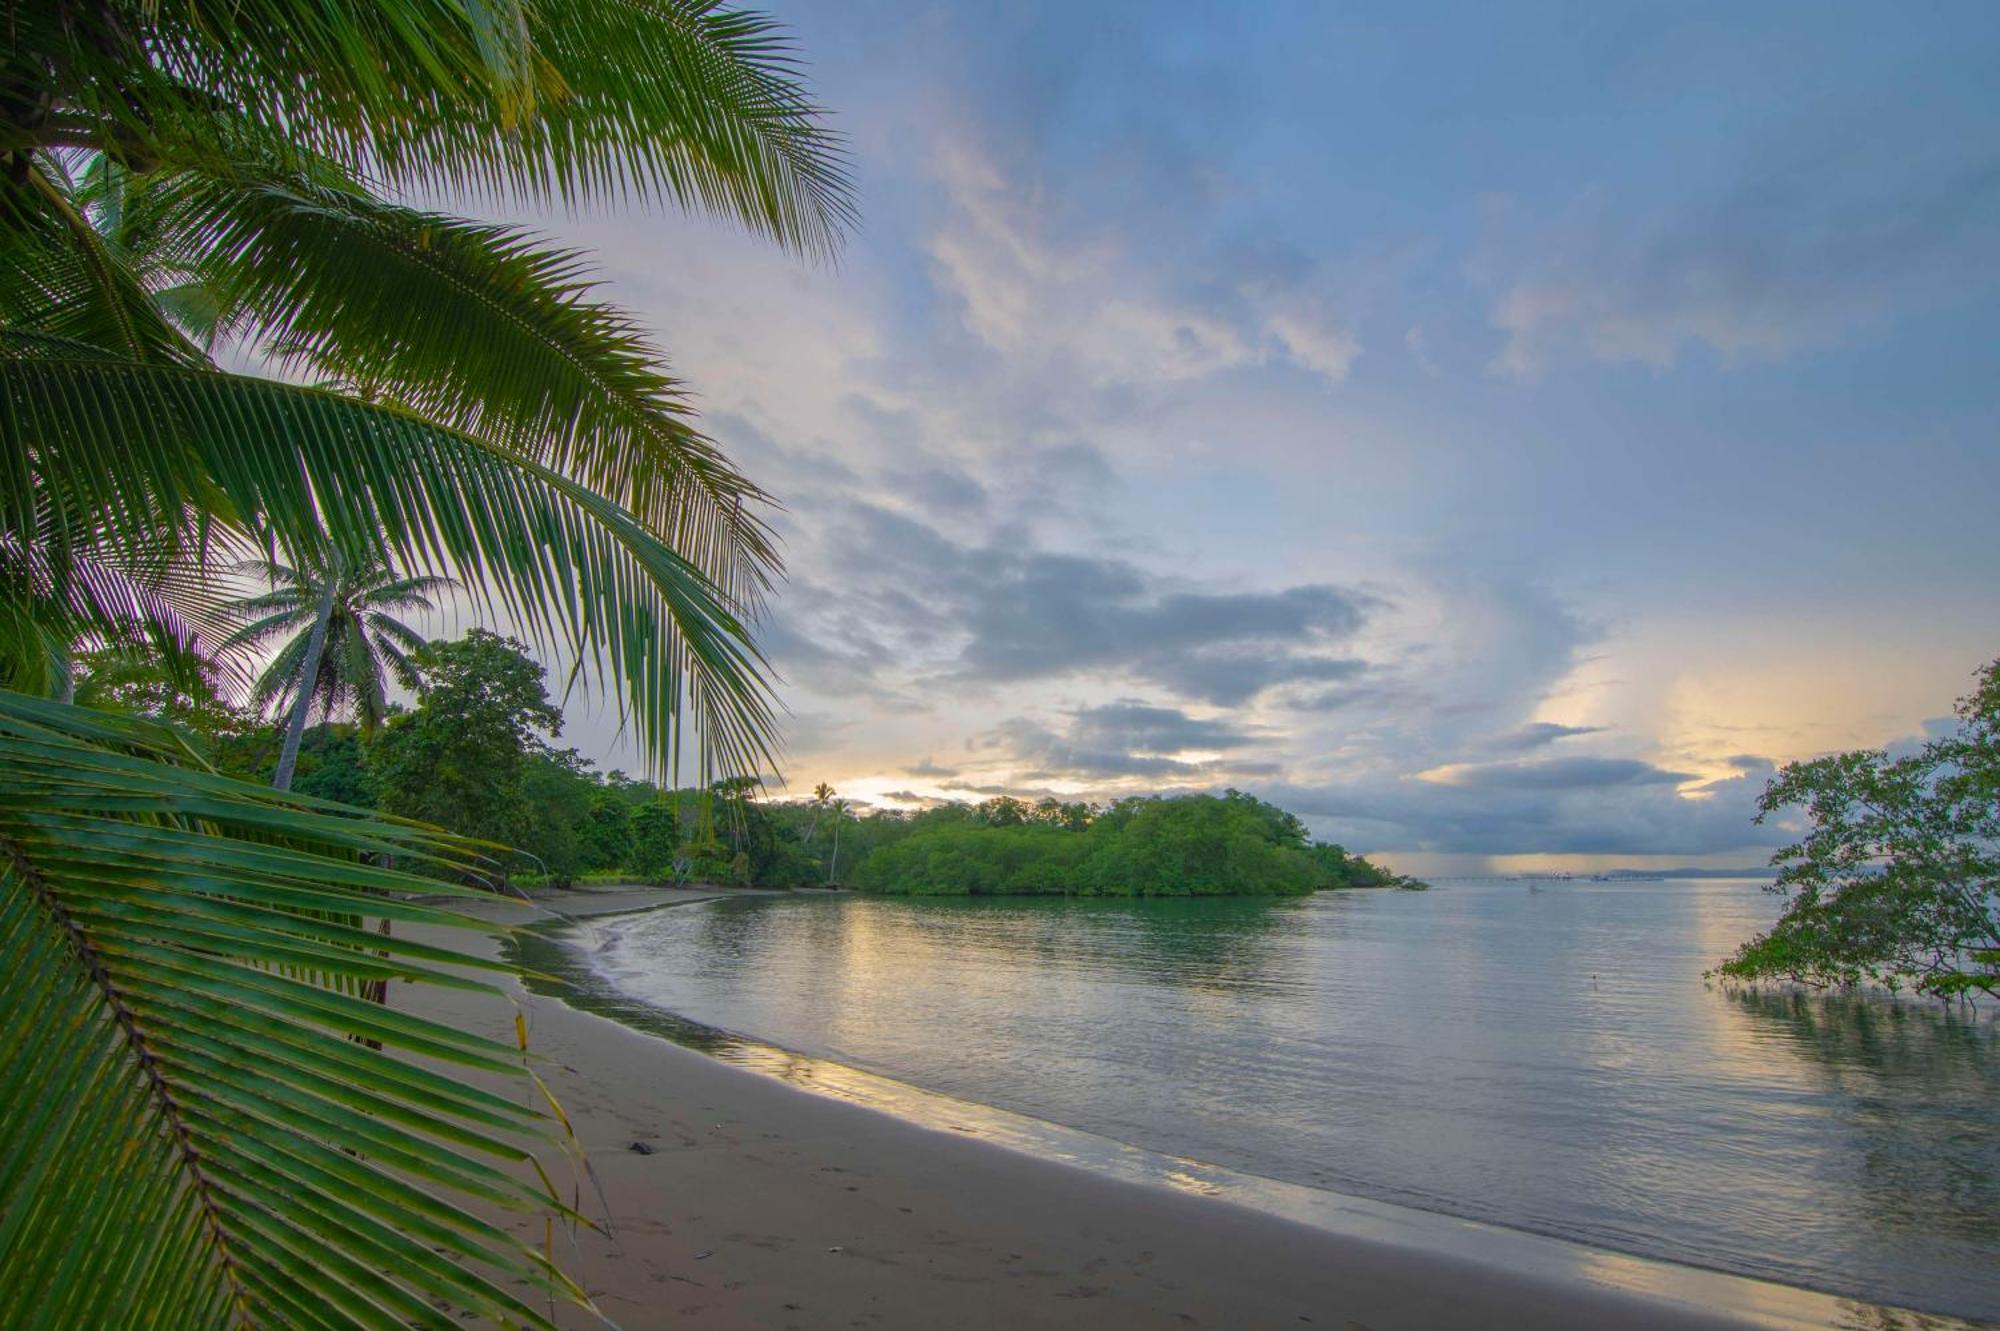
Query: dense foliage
[[474, 756], [1897, 879], [1189, 845], [459, 760]]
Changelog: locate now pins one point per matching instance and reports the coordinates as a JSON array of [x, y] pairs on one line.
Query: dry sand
[[768, 1206]]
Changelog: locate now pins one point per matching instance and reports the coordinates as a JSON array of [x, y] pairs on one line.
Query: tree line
[[477, 754], [1232, 844]]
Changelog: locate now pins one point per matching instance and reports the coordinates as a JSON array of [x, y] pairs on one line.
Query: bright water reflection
[[1543, 1056]]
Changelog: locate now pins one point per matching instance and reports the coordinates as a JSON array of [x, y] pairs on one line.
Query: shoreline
[[786, 1191]]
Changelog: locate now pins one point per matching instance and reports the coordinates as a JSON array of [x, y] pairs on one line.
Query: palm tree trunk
[[295, 725], [833, 864]]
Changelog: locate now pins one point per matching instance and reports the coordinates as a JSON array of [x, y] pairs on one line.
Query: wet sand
[[766, 1206]]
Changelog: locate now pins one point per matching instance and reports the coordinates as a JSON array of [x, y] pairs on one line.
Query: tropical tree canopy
[[203, 1121], [458, 758], [1896, 881]]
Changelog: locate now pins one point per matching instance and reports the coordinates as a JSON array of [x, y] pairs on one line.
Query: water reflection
[[1912, 1085], [1548, 1060], [1223, 944], [564, 971]]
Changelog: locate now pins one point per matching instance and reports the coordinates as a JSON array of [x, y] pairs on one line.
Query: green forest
[[477, 754]]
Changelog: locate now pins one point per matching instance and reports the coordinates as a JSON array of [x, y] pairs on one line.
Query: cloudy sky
[[1499, 433]]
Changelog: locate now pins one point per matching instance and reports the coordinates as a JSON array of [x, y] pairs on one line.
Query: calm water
[[1544, 1056]]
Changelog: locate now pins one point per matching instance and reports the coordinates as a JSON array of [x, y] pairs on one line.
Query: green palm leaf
[[65, 583], [205, 1122], [682, 100], [169, 1076], [571, 568], [475, 326], [60, 276]]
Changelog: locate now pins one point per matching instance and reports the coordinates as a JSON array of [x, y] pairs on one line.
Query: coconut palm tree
[[838, 812], [343, 643], [202, 1121], [822, 794]]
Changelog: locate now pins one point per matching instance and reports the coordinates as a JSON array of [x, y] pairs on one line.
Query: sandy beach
[[765, 1206]]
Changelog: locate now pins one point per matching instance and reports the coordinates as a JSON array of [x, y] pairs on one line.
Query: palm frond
[[701, 105], [418, 593], [281, 678], [78, 588], [282, 578], [291, 616], [59, 276], [356, 674], [390, 631], [396, 659], [195, 1138], [705, 107], [479, 327], [570, 568]]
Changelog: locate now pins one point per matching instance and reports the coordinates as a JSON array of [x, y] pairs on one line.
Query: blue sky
[[1499, 432]]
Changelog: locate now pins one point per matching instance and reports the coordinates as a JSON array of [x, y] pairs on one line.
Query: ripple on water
[[1550, 1059]]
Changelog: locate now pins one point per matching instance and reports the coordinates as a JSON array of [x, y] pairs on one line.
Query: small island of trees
[[1231, 844]]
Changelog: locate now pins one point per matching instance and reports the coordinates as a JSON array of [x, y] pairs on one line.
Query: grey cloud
[[1343, 696], [1749, 767], [1632, 818], [1152, 729], [1021, 613], [1055, 482], [871, 540], [1790, 255], [1125, 740], [945, 487], [1565, 774], [1050, 614], [1228, 676], [911, 797], [811, 636], [1537, 735], [816, 732], [1054, 755], [1070, 464], [1017, 792], [759, 455], [929, 768], [897, 427]]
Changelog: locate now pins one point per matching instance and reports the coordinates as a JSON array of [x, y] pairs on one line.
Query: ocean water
[[1540, 1055]]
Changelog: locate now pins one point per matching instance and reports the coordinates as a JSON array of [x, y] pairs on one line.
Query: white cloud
[[1086, 305]]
